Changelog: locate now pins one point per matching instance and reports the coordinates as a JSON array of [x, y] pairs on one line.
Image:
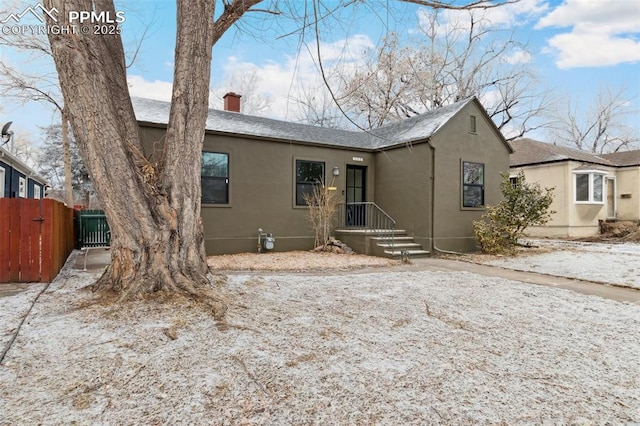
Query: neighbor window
[[472, 184], [36, 192], [589, 187], [2, 177], [309, 174], [22, 187], [514, 181], [472, 124], [215, 178]]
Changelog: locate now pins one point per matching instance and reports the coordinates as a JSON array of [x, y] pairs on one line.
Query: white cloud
[[602, 33], [283, 81], [518, 57], [159, 90], [280, 81], [514, 14], [507, 16]]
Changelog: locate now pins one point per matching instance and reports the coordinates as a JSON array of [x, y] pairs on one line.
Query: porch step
[[382, 243], [395, 238], [371, 232], [411, 253], [396, 246], [400, 246]]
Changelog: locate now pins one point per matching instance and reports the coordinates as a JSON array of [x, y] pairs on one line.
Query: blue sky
[[576, 46]]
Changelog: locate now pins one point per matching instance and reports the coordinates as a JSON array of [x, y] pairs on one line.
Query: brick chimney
[[231, 102]]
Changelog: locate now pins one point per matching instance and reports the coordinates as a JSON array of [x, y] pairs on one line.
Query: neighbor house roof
[[624, 158], [21, 166], [418, 128], [529, 152]]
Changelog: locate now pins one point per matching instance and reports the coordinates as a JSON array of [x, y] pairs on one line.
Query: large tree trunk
[[153, 209]]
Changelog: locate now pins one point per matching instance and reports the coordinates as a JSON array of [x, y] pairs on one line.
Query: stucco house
[[588, 187], [17, 179], [425, 178]]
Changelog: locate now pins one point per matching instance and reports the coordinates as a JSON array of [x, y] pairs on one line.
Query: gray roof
[[624, 158], [529, 152], [418, 128]]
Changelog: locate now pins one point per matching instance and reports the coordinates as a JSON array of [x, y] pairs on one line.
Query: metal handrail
[[367, 216]]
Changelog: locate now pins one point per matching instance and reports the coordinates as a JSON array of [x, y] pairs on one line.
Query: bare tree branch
[[606, 126], [478, 4]]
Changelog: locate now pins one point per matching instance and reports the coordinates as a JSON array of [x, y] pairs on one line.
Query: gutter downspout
[[434, 248]]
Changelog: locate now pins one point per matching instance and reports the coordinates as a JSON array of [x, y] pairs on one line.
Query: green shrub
[[525, 204]]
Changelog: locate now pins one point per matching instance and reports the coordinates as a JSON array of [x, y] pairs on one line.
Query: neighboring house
[[433, 174], [17, 180], [588, 187]]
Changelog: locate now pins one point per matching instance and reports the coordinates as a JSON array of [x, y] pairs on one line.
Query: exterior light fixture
[[336, 171]]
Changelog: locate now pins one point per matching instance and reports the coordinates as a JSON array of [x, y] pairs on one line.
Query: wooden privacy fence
[[36, 237]]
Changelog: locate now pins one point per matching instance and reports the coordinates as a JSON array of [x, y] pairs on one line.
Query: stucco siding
[[455, 144], [628, 193], [557, 176], [583, 216], [262, 191], [571, 219], [403, 188], [400, 178]]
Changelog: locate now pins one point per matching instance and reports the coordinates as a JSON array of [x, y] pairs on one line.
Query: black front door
[[356, 213]]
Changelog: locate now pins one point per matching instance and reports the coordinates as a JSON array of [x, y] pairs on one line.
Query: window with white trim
[[588, 187], [36, 192], [514, 181], [22, 187]]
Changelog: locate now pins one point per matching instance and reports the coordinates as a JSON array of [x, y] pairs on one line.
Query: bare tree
[[22, 147], [51, 165], [246, 84], [472, 57], [153, 208], [603, 125], [316, 107], [466, 58], [42, 88], [384, 90]]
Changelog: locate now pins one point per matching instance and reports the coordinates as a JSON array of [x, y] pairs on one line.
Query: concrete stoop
[[370, 242]]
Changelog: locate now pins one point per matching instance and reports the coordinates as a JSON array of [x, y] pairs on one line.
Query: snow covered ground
[[337, 348], [617, 264]]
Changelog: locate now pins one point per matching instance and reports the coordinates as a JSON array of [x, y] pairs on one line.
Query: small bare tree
[[322, 213]]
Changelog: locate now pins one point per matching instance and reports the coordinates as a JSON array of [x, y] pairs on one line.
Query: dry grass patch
[[295, 261]]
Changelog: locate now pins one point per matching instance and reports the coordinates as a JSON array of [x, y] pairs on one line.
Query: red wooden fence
[[36, 237]]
